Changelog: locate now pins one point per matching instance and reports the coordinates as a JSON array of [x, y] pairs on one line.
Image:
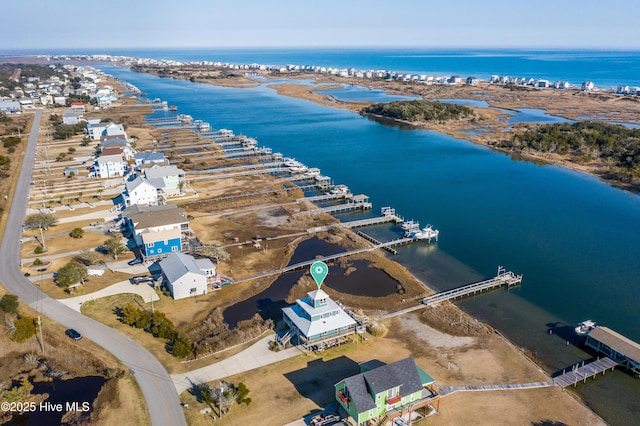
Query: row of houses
[[56, 90]]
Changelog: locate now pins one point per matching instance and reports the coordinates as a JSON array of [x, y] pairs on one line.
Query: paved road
[[157, 386]]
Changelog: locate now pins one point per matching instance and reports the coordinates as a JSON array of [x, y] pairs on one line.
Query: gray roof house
[[185, 276], [385, 391]]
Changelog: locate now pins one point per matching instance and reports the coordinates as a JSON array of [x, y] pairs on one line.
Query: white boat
[[585, 327], [410, 225], [340, 190], [425, 233]]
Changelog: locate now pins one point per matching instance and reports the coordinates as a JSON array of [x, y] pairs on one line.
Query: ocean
[[575, 238]]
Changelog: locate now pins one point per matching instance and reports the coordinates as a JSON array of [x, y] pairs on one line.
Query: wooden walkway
[[447, 390], [507, 278], [583, 372]]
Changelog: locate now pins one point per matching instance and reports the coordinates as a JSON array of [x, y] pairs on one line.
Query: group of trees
[[157, 323], [419, 110], [65, 131], [584, 141], [71, 273], [20, 327], [5, 164], [10, 143]]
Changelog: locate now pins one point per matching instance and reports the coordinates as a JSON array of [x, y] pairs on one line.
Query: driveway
[[144, 290], [255, 356]]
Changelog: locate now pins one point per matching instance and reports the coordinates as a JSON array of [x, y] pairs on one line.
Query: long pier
[[580, 373], [507, 278], [503, 278]]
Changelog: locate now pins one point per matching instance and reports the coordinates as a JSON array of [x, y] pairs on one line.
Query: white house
[[139, 191], [71, 117], [150, 158], [117, 142], [109, 166], [165, 178], [587, 86], [185, 276], [316, 319]]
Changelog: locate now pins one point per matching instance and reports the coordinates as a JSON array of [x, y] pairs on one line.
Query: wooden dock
[[580, 373], [503, 278], [325, 197], [340, 208], [447, 390]]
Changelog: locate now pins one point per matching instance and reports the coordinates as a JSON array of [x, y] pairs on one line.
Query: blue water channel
[[575, 238]]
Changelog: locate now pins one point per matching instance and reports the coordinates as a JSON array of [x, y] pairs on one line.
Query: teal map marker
[[319, 271]]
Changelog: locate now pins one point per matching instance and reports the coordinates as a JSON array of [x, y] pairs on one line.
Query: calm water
[[575, 239], [605, 68]]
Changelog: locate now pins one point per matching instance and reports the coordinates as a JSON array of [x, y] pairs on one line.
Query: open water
[[575, 239]]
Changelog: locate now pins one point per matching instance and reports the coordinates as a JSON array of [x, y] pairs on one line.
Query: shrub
[[77, 233], [180, 346], [25, 328], [9, 303], [38, 250], [38, 262]]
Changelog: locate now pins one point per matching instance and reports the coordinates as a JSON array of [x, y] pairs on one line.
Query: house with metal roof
[[166, 179], [150, 158], [159, 232], [186, 276], [109, 166], [385, 392], [317, 321], [139, 191]]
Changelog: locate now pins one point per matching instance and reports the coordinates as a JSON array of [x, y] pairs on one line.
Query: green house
[[385, 391]]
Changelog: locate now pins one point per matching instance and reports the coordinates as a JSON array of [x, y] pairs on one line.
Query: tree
[[180, 346], [99, 192], [114, 247], [242, 394], [214, 253], [77, 233], [87, 258], [19, 392], [9, 303], [40, 220], [37, 262], [25, 327], [71, 273]]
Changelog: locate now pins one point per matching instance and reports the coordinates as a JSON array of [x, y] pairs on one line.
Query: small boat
[[340, 190], [585, 327], [173, 108]]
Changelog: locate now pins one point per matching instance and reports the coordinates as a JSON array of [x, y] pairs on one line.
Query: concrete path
[[256, 356], [146, 291], [98, 214]]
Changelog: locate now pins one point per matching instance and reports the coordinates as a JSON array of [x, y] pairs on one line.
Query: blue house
[[159, 243]]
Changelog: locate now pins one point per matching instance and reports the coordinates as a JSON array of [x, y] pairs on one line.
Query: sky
[[81, 24]]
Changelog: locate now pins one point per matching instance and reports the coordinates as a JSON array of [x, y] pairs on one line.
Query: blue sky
[[68, 24]]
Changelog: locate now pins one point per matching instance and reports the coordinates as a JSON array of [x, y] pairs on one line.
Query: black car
[[134, 261], [73, 334]]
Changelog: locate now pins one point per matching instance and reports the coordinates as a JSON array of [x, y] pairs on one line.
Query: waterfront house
[[317, 321], [160, 243], [160, 231], [166, 179], [109, 166], [385, 392], [150, 158], [185, 276], [139, 191], [472, 81], [614, 345], [108, 142], [587, 86]]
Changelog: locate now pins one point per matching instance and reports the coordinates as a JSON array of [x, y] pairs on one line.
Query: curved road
[[157, 386]]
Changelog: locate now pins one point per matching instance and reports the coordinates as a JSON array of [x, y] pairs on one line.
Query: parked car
[[73, 334], [135, 261], [141, 279]]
